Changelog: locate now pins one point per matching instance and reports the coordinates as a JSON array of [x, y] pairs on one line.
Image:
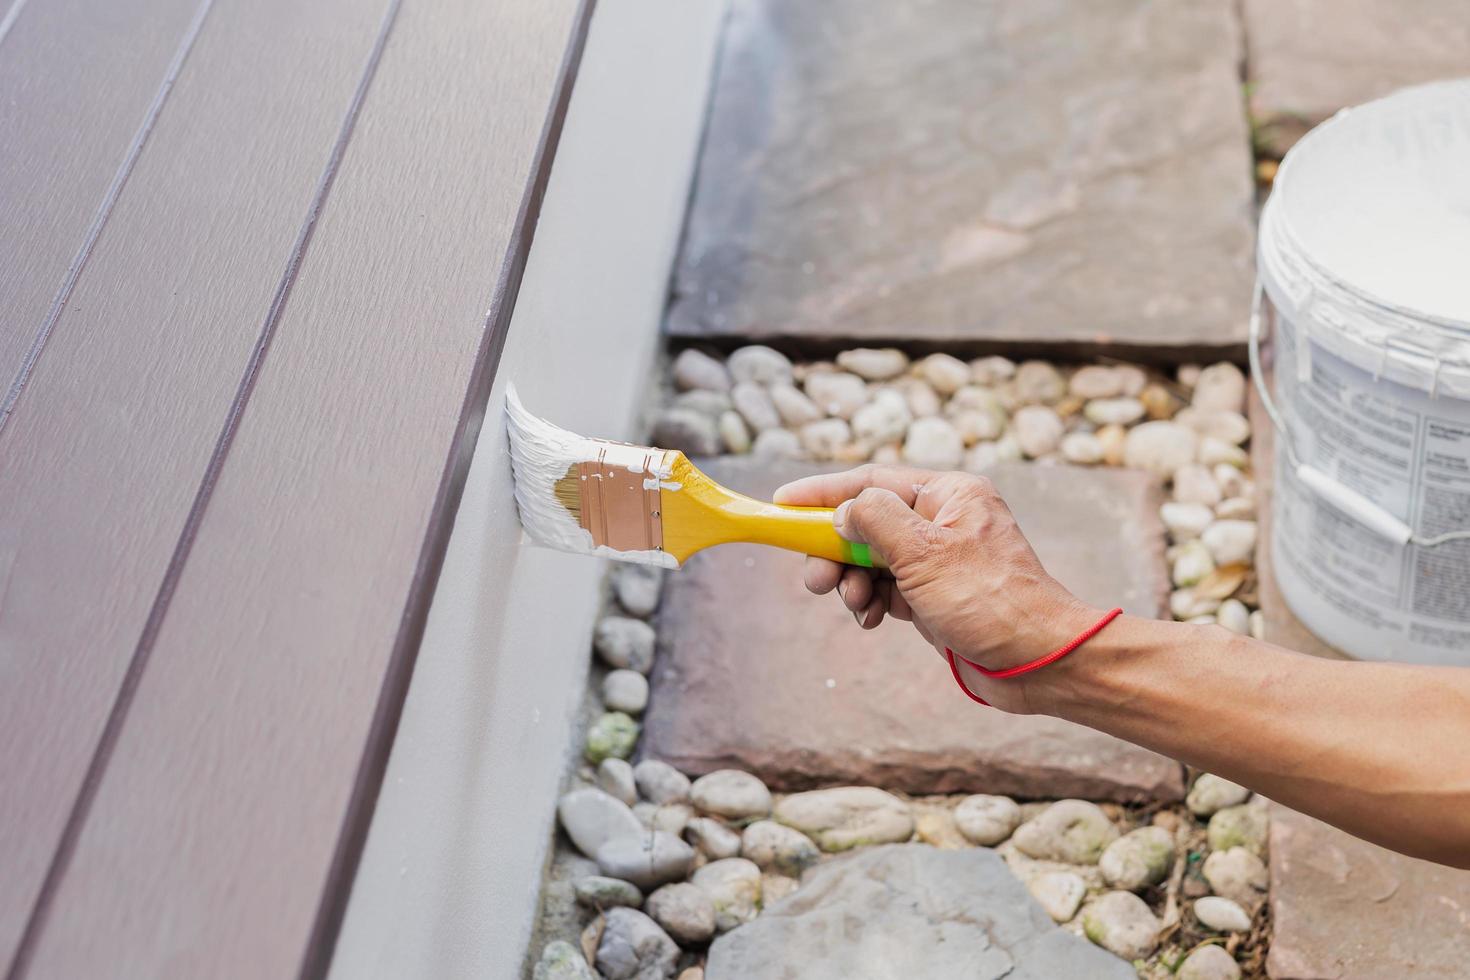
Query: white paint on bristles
[[540, 455]]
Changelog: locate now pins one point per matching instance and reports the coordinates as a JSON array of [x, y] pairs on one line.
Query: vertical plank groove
[[104, 209], [11, 16]]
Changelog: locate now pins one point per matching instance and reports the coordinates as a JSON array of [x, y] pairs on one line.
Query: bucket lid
[[1369, 216]]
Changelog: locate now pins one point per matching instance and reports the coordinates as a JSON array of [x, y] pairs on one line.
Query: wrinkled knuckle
[[982, 485]]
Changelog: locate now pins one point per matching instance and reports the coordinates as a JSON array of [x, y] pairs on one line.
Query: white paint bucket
[[1364, 262]]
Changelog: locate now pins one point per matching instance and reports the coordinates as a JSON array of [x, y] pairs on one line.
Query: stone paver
[[1309, 58], [909, 910], [1282, 627], [755, 673], [974, 171], [1343, 908]]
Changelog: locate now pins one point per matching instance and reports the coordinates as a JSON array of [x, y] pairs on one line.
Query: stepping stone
[[1341, 907], [1282, 626], [1309, 58], [909, 910], [755, 673], [1031, 172]]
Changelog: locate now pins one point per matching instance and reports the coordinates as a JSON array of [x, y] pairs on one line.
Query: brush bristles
[[545, 460], [568, 492]]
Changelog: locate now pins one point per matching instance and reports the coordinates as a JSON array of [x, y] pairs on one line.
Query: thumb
[[880, 518]]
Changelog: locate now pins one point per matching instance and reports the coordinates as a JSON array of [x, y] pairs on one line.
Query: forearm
[[1380, 750]]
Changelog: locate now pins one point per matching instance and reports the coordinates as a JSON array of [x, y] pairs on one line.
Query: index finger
[[831, 489]]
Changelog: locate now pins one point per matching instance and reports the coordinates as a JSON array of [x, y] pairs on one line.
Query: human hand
[[962, 572]]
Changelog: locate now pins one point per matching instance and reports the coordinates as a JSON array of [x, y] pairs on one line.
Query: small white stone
[[710, 403], [888, 455], [660, 782], [1039, 383], [1220, 388], [1095, 381], [1134, 379], [885, 419], [1234, 616], [760, 365], [1060, 893], [1234, 483], [1213, 452], [987, 820], [992, 370], [1138, 859], [837, 392], [976, 427], [1160, 447], [1221, 914], [1201, 621], [944, 372], [1113, 411], [1236, 509], [1209, 962], [754, 405], [1073, 831], [1210, 794], [1185, 605], [694, 369], [1188, 375], [733, 433], [731, 793], [1185, 522], [844, 817], [615, 778], [1231, 541], [825, 437], [777, 444], [874, 364], [1122, 924], [734, 885], [934, 444], [1193, 484], [1237, 874], [923, 401], [1193, 563], [591, 818], [794, 407], [1258, 625], [625, 690], [1084, 448], [973, 398], [1230, 427], [1038, 430]]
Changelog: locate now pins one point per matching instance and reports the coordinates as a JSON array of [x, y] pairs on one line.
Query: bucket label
[[1408, 453]]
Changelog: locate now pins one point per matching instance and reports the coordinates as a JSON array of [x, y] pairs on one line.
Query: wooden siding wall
[[256, 262]]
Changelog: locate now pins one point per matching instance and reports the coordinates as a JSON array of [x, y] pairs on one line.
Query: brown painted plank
[[218, 824], [79, 82], [105, 451]]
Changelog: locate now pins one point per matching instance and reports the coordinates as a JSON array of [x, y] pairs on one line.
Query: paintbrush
[[653, 506]]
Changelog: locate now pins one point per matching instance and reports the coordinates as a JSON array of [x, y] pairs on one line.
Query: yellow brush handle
[[807, 530], [701, 513]]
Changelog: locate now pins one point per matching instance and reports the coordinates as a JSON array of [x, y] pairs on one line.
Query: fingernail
[[842, 588], [857, 616], [840, 517]]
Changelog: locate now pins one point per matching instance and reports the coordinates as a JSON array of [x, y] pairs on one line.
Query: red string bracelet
[[1027, 668]]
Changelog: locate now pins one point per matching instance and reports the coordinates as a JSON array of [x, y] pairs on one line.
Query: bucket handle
[[1359, 507]]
